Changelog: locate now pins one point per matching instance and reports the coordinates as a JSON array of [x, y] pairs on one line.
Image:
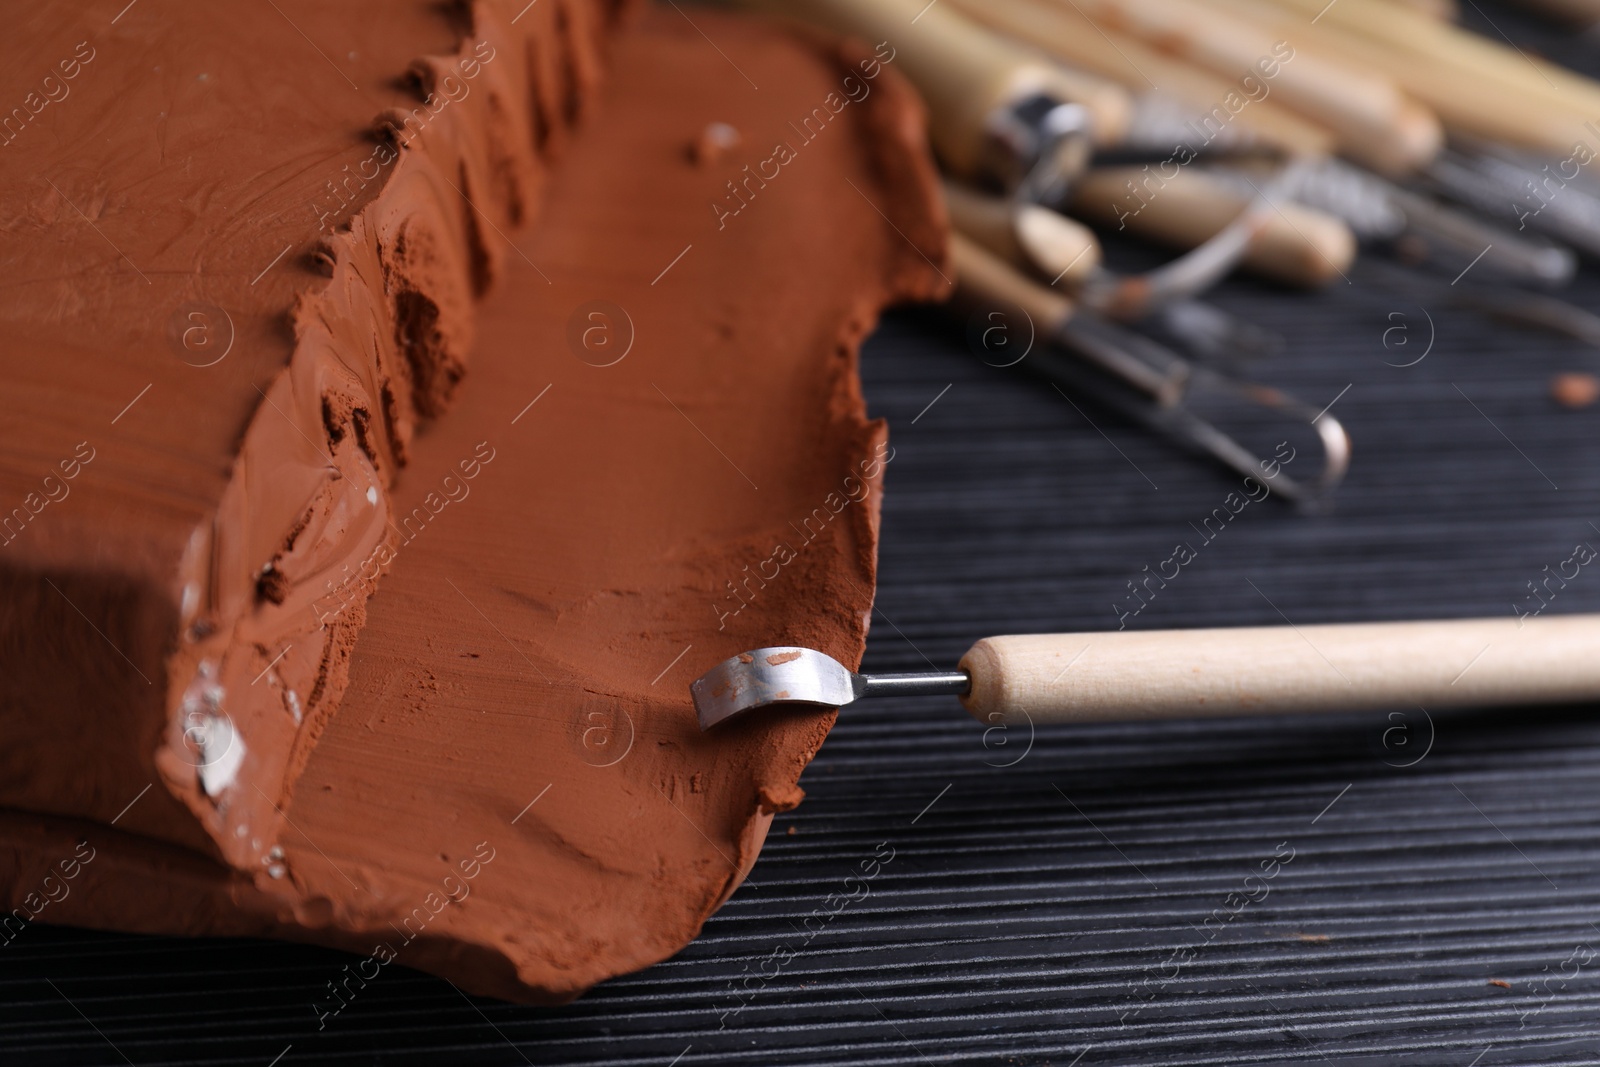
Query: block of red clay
[[242, 248], [660, 458]]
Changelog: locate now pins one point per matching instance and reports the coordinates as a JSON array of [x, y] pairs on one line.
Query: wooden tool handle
[[1297, 245], [986, 282], [964, 71], [1163, 674], [1058, 249], [1067, 34]]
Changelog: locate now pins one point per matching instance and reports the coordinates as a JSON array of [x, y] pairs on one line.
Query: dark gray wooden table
[[1081, 896]]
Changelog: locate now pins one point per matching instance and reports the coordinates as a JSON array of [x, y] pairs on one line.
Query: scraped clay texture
[[658, 458], [200, 433]]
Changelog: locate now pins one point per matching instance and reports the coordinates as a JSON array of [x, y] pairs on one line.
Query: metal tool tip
[[763, 676]]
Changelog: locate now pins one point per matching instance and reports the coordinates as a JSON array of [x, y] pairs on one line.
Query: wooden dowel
[[1164, 674]]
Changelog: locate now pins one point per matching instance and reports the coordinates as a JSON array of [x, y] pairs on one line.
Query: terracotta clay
[[658, 457], [242, 248]]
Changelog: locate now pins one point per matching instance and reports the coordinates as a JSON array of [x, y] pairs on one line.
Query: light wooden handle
[[1296, 245], [1443, 10], [1165, 674], [964, 71], [1475, 83], [1067, 34], [1367, 112], [986, 282], [1058, 249]]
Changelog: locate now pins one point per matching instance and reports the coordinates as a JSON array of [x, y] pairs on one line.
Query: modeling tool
[[1292, 243], [1060, 249], [996, 112], [1171, 674], [1380, 212], [1140, 377], [1532, 193], [1364, 112], [1002, 114], [1066, 254], [1068, 35]]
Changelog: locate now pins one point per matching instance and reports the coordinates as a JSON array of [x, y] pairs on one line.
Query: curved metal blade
[[763, 676]]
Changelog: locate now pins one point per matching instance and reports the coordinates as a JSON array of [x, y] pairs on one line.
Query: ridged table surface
[[1425, 891]]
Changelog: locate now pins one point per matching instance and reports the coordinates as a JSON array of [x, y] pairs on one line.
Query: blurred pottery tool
[[1455, 241], [1293, 244], [1476, 85], [1208, 259], [1161, 81], [1370, 118], [1230, 232], [1582, 14], [1506, 303], [1061, 249], [1587, 177], [1001, 113], [1171, 674], [1145, 380], [1163, 126], [1535, 310], [1418, 228], [1539, 198], [1063, 252], [1212, 335], [995, 111]]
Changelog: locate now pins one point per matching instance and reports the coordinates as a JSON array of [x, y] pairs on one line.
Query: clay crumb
[[776, 799], [712, 144], [790, 831], [1502, 983], [745, 657], [783, 657], [1575, 390], [1316, 938]]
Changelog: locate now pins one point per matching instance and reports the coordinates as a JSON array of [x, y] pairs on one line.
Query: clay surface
[[242, 247], [657, 458]]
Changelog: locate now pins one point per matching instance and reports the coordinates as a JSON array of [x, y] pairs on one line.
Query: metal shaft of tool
[[924, 683]]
